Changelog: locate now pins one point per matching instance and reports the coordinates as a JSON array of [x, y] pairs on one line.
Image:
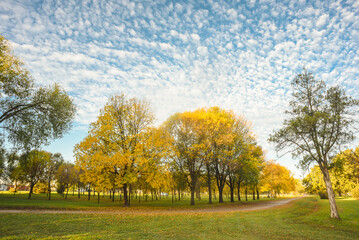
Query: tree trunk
[[254, 194], [209, 184], [89, 195], [98, 197], [257, 192], [31, 189], [245, 192], [239, 191], [192, 195], [333, 206], [78, 192], [67, 192], [220, 192], [232, 193], [125, 197], [179, 194], [49, 190]]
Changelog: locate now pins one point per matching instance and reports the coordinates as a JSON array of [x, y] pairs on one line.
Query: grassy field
[[303, 219]]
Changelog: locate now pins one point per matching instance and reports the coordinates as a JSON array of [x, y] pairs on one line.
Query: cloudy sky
[[182, 55]]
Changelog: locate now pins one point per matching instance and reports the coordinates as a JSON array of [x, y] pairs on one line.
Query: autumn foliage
[[125, 152]]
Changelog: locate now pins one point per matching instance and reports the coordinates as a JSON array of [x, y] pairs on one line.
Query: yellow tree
[[227, 134], [188, 147], [120, 132], [276, 178]]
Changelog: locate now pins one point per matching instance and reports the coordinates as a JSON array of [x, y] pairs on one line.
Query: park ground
[[304, 218]]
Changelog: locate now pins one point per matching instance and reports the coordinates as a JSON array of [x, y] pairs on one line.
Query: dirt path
[[233, 208]]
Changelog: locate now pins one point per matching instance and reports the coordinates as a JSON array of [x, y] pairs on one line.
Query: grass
[[303, 219]]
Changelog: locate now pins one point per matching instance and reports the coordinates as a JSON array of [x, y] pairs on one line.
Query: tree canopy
[[30, 115]]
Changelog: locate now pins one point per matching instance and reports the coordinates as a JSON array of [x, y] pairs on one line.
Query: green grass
[[304, 219]]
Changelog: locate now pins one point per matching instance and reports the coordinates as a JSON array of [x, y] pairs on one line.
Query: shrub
[[323, 195], [40, 188], [355, 192]]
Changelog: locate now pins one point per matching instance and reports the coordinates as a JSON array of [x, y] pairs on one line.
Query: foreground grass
[[304, 219]]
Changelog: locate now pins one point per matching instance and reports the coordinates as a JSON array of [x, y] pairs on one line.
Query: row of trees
[[41, 169], [124, 150]]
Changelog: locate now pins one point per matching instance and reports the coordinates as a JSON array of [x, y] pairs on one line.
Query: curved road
[[232, 208]]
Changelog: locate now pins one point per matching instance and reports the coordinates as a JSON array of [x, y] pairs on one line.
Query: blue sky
[[182, 55]]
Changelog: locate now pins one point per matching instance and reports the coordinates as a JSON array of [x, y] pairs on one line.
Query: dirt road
[[260, 205]]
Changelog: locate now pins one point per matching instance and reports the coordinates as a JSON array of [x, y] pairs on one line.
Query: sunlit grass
[[304, 219]]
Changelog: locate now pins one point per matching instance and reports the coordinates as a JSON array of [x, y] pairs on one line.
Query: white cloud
[[322, 20]]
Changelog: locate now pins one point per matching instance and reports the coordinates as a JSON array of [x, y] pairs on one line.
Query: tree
[[2, 164], [12, 171], [276, 178], [120, 141], [52, 165], [313, 181], [30, 115], [187, 147], [65, 178], [347, 163], [32, 167], [319, 121], [222, 126], [247, 168]]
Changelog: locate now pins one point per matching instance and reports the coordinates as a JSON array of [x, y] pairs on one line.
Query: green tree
[[32, 167], [313, 181], [52, 165], [30, 115], [65, 177], [319, 121], [12, 171]]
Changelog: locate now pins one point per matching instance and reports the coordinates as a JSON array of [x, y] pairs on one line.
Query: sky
[[183, 55]]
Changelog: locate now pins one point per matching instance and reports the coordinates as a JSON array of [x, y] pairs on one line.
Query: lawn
[[306, 218]]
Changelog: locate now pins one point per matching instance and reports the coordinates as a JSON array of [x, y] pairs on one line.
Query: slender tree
[[319, 122], [52, 165]]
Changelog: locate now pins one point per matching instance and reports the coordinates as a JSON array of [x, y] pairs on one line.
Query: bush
[[40, 188], [355, 192], [323, 195]]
